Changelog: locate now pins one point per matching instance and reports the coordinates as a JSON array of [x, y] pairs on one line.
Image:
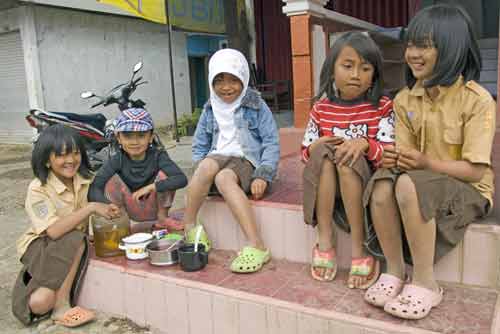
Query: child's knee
[[224, 178], [405, 191], [382, 191], [206, 171], [42, 300]]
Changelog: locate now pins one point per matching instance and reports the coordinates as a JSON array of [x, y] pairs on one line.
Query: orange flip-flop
[[75, 317]]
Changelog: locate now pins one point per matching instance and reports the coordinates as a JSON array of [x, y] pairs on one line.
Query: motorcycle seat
[[98, 121]]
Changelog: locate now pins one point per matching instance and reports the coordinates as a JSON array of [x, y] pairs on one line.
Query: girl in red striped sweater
[[342, 146]]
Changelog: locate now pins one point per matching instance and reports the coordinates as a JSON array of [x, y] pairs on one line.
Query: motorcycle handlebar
[[121, 94]]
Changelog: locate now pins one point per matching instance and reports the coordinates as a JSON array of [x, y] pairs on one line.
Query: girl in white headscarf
[[236, 151]]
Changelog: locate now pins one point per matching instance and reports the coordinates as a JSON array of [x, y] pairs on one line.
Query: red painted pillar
[[302, 68]]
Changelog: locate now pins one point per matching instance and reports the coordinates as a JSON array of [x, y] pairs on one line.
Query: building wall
[[81, 51], [13, 127]]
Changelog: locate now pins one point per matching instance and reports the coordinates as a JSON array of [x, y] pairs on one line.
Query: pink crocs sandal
[[385, 289], [414, 302]]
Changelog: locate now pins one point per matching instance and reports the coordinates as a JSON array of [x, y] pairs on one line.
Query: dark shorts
[[240, 166], [46, 263], [311, 182], [452, 203]]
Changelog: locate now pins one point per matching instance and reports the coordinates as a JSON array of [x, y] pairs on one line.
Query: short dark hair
[[449, 29], [58, 139], [366, 49]]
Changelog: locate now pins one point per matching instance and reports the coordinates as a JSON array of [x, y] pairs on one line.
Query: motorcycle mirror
[[86, 95], [137, 67]]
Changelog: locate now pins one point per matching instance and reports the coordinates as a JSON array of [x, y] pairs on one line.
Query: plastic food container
[[135, 245]]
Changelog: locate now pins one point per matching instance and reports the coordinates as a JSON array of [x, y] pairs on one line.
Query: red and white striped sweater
[[351, 121]]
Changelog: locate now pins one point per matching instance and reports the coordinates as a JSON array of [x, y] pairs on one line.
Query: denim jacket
[[256, 131]]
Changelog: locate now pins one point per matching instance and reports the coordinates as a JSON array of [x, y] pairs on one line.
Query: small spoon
[[172, 245]]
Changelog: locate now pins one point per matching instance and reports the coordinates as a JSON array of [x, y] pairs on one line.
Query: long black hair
[[366, 49], [449, 29], [58, 139]]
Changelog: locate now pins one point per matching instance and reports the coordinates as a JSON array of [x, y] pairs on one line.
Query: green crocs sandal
[[204, 240], [173, 236], [250, 260]]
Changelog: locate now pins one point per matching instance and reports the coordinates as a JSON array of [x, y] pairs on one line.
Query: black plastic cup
[[191, 260]]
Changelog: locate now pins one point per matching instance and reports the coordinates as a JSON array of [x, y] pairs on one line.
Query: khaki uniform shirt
[[459, 124], [45, 204]]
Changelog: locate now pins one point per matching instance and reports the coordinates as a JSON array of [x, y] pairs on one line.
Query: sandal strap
[[324, 259], [362, 266]]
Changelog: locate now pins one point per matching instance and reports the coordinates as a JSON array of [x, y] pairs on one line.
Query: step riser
[[170, 305], [476, 261]]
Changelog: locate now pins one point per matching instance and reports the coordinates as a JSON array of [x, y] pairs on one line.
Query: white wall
[[81, 51]]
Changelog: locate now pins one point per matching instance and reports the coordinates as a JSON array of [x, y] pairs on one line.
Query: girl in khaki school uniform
[[53, 250], [438, 177]]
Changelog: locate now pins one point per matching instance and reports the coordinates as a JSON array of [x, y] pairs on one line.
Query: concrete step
[[281, 298], [475, 261]]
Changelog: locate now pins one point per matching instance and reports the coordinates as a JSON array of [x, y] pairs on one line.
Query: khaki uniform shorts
[[452, 203], [240, 166], [46, 263]]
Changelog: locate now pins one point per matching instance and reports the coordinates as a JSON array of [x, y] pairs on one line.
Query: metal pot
[[163, 252]]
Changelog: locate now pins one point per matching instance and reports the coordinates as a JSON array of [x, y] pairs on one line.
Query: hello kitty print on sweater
[[352, 120]]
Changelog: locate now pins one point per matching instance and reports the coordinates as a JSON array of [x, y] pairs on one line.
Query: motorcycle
[[96, 130]]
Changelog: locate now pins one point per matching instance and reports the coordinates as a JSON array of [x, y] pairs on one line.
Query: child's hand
[[350, 150], [412, 159], [390, 157], [257, 188], [143, 192], [325, 139], [108, 211]]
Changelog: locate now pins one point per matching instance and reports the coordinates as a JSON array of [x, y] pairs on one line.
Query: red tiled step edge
[[280, 221], [282, 298]]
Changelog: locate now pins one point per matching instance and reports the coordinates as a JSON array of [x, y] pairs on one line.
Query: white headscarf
[[233, 62]]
